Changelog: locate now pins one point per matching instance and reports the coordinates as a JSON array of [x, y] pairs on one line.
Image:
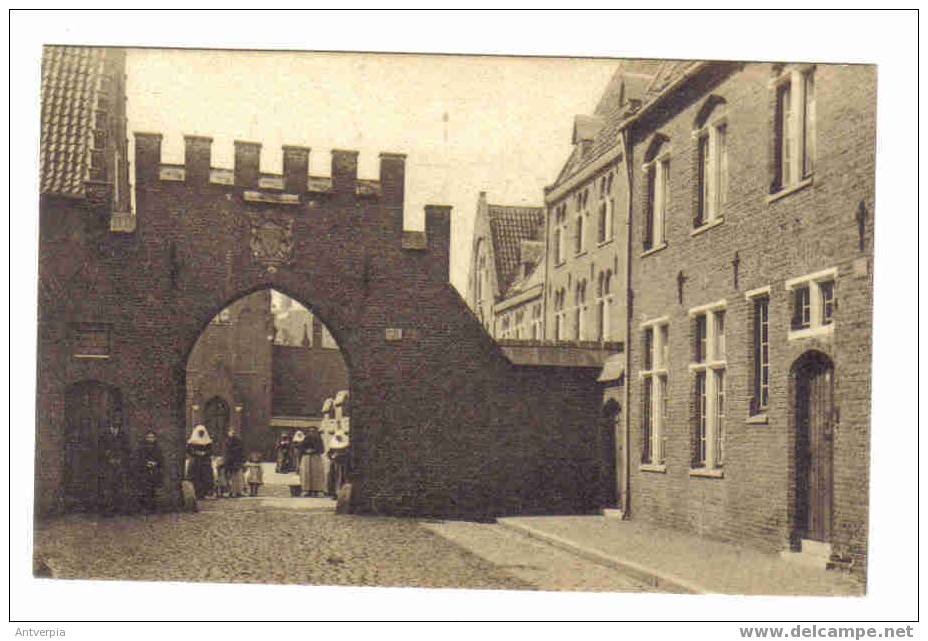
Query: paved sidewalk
[[677, 562]]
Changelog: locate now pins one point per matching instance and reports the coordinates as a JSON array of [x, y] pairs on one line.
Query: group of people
[[127, 480], [223, 474], [321, 470]]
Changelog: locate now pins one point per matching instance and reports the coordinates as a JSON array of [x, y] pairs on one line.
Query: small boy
[[254, 475]]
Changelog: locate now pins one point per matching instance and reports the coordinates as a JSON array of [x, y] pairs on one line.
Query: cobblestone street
[[278, 539]]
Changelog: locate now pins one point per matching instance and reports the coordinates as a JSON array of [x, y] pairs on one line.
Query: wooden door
[[90, 408], [814, 448], [216, 418]]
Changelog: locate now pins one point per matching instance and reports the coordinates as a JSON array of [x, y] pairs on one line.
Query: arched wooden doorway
[[90, 408], [813, 407], [216, 418]]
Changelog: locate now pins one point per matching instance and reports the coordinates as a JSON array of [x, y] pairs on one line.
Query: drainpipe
[[625, 481]]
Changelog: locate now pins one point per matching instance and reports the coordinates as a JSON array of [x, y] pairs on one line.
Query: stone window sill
[[92, 356], [709, 473], [654, 250], [603, 243], [707, 226], [757, 419], [822, 331], [580, 253], [791, 189], [653, 467]]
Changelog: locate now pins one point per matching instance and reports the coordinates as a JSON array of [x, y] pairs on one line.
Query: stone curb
[[650, 576]]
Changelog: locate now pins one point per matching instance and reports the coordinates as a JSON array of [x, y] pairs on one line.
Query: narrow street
[[278, 539]]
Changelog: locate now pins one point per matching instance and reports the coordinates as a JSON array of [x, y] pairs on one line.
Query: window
[[504, 326], [712, 170], [708, 367], [761, 354], [520, 318], [802, 307], [579, 309], [604, 228], [603, 305], [794, 127], [579, 240], [560, 233], [814, 303], [559, 296], [537, 326], [658, 174], [655, 397]]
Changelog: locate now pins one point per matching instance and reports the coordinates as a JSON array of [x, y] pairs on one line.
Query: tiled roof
[[640, 80], [71, 84], [509, 226]]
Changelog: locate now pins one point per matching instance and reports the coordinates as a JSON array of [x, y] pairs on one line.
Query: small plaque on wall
[[394, 334], [90, 340]]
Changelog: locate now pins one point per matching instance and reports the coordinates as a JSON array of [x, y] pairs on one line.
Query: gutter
[[625, 481]]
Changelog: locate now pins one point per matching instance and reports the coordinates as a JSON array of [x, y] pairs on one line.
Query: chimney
[[344, 172]]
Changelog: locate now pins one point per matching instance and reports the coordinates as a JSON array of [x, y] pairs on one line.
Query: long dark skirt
[[200, 473]]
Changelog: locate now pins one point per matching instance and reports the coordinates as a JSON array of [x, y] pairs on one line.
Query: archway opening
[[270, 384]]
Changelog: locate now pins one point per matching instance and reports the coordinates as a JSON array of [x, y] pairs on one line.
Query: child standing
[[254, 475]]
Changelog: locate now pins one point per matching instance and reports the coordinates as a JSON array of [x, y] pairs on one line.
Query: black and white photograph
[[593, 324]]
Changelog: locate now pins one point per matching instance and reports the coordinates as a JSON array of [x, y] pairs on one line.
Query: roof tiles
[[509, 226], [71, 87]]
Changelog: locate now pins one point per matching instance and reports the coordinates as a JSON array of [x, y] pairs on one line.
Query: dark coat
[[151, 464], [234, 455], [283, 455], [200, 471]]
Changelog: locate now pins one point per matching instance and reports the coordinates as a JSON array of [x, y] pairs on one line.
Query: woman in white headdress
[[339, 456], [199, 461]]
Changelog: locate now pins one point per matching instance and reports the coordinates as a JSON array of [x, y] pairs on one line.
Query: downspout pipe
[[626, 414]]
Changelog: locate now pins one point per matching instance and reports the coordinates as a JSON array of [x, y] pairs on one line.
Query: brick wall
[[303, 377], [442, 423], [812, 229]]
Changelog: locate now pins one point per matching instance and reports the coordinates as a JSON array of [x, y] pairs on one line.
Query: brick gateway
[[443, 423]]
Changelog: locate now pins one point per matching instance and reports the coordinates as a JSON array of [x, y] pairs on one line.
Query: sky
[[467, 123]]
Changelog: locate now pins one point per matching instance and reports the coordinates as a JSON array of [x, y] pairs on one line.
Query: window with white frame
[[579, 309], [794, 129], [813, 303], [658, 181], [760, 350], [537, 323], [560, 233], [654, 397], [708, 368], [712, 170]]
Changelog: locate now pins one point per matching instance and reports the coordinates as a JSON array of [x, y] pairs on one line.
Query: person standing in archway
[[339, 454], [312, 469], [199, 461], [234, 460], [282, 452], [150, 471], [113, 470]]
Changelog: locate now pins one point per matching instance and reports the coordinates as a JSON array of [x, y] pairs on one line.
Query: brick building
[[505, 285], [751, 287], [443, 420]]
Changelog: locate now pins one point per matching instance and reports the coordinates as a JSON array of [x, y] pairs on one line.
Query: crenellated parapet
[[295, 187], [295, 178]]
